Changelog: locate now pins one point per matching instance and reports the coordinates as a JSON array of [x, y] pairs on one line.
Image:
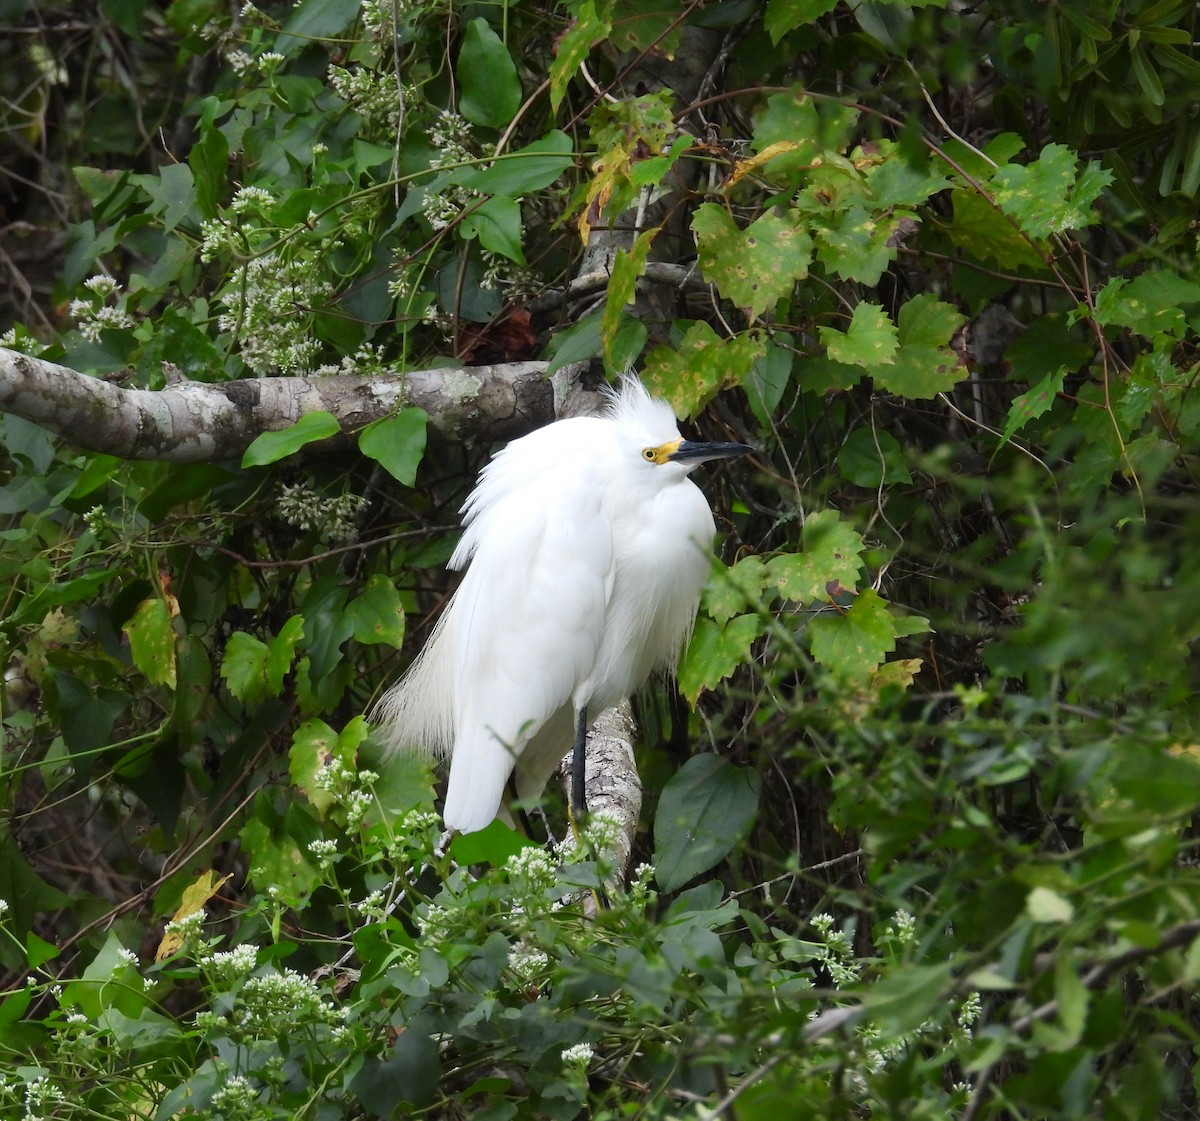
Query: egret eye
[[649, 455]]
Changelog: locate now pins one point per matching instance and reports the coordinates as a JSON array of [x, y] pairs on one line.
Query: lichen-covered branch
[[192, 422]]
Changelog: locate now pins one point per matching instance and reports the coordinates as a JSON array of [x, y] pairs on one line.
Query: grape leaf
[[924, 366], [754, 267]]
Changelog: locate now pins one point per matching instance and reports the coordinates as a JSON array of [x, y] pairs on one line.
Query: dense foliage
[[926, 845]]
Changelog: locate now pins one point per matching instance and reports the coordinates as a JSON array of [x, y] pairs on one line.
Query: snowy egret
[[586, 547]]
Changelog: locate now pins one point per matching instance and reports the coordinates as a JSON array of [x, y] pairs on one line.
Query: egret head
[[691, 453], [651, 427]]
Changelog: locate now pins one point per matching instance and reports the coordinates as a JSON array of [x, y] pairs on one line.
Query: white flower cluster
[[325, 851], [502, 273], [268, 301], [189, 929], [96, 315], [251, 199], [235, 1097], [269, 62], [331, 518], [837, 953], [417, 832], [526, 962], [532, 870], [41, 1093], [274, 1003], [639, 887], [451, 134], [578, 1056], [350, 788], [377, 16], [436, 925], [372, 95], [373, 907], [217, 237], [367, 361], [232, 965], [17, 338], [902, 928], [96, 519], [441, 210], [402, 285], [240, 62]]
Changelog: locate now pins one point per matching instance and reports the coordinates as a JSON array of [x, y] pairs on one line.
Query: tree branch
[[194, 422]]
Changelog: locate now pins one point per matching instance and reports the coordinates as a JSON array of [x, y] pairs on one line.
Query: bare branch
[[193, 422]]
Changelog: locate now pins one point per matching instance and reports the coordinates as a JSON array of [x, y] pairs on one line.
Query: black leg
[[578, 798]]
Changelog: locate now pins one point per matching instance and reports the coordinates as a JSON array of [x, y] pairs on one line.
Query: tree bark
[[196, 422], [611, 771]]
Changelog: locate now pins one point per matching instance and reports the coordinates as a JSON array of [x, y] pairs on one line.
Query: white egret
[[586, 547]]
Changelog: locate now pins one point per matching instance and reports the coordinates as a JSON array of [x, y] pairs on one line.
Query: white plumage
[[586, 547]]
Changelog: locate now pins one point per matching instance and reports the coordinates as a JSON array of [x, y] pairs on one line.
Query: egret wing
[[527, 624]]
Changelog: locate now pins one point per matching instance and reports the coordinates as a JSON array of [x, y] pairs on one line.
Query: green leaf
[[854, 643], [754, 267], [209, 161], [409, 1075], [886, 23], [1147, 77], [1035, 403], [627, 267], [827, 567], [907, 995], [983, 232], [924, 366], [315, 745], [1072, 999], [703, 811], [730, 591], [254, 670], [715, 652], [577, 343], [327, 625], [872, 458], [526, 170], [269, 447], [1150, 304], [397, 443], [313, 20], [572, 48], [377, 613], [125, 14], [366, 156], [783, 16], [497, 224], [1044, 347], [152, 641], [857, 246], [491, 845], [86, 713], [109, 981], [692, 373], [487, 76], [278, 856], [1045, 196], [869, 341], [1045, 905], [803, 128], [172, 193], [902, 178], [770, 376]]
